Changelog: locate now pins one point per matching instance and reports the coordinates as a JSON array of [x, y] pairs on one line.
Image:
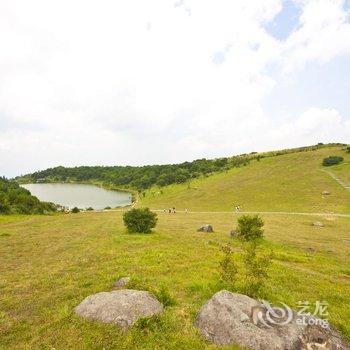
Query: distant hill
[[15, 199], [142, 178], [291, 182]]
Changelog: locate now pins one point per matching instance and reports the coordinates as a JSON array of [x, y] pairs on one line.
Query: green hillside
[[17, 200], [49, 264], [289, 182]]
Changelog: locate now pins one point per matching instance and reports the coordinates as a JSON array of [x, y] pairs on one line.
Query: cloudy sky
[[87, 82]]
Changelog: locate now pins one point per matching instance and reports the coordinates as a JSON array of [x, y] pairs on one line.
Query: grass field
[[49, 264], [291, 182]]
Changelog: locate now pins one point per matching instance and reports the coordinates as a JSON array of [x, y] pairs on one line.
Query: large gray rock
[[121, 307], [229, 318], [206, 228]]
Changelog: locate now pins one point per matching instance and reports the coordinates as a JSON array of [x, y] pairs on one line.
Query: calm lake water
[[79, 195]]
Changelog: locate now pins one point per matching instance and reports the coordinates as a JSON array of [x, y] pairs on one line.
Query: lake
[[78, 195]]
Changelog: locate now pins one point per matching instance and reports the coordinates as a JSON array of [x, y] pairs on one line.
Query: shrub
[[348, 149], [250, 227], [228, 268], [332, 160], [75, 210], [140, 220], [256, 269]]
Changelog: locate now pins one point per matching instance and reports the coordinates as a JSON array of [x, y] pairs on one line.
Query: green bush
[[140, 220], [256, 269], [332, 160], [250, 227], [75, 210], [348, 149], [228, 268]]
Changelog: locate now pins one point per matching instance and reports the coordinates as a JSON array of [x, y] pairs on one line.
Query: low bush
[[250, 227], [332, 160], [140, 220], [75, 210]]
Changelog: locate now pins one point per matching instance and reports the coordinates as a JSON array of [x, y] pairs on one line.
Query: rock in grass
[[325, 193], [206, 228], [229, 318], [121, 307], [233, 233], [318, 224], [121, 283]]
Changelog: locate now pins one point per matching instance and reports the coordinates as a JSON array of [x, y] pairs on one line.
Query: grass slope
[[49, 264], [342, 171], [291, 182]]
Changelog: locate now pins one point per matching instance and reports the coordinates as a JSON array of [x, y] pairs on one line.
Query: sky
[[136, 82]]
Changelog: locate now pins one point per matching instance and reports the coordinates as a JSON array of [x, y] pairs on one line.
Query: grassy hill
[[289, 182], [49, 264]]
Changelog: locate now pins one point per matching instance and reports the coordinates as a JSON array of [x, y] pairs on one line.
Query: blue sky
[[87, 83], [285, 22]]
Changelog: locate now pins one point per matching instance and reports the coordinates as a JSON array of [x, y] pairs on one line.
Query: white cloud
[[109, 82], [324, 33], [312, 126]]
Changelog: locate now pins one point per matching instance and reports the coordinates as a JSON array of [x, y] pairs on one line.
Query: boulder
[[325, 193], [206, 228], [229, 318], [233, 233], [121, 307], [318, 224], [121, 283]]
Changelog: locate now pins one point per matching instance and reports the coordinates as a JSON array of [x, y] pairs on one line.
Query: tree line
[[143, 177], [15, 199]]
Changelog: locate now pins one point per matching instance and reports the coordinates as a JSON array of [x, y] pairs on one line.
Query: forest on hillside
[[15, 199], [143, 177]]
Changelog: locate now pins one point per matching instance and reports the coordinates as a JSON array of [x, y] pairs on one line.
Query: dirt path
[[247, 212], [340, 182], [261, 212]]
